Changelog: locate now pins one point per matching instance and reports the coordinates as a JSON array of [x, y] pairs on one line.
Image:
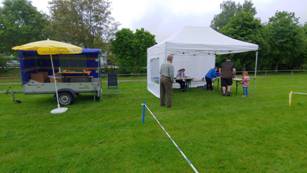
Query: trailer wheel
[[65, 98], [97, 98]]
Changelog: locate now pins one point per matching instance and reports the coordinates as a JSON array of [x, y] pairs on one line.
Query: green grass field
[[219, 134]]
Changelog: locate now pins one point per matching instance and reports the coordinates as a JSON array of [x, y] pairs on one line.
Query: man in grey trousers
[[166, 82]]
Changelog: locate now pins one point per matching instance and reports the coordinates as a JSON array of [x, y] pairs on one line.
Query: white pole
[[55, 82], [256, 64]]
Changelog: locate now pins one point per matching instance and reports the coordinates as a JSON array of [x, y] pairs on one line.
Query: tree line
[[86, 23], [89, 23], [282, 40]]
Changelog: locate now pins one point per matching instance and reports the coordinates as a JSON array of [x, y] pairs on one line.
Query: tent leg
[[256, 66]]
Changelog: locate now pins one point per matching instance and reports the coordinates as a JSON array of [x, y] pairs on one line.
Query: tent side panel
[[155, 56]]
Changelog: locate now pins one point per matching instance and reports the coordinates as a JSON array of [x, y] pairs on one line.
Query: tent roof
[[206, 38]]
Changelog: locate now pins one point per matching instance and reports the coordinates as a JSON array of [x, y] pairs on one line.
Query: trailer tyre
[[66, 98]]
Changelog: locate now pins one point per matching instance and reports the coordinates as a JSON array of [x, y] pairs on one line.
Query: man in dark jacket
[[228, 72]]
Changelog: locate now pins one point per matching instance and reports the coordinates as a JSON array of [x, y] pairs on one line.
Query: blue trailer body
[[76, 73]]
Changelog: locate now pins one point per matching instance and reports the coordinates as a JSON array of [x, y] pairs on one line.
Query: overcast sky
[[163, 17]]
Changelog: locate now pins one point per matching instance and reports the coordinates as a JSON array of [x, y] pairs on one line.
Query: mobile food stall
[[64, 72]]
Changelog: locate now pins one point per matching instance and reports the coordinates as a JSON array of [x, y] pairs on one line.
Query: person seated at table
[[181, 79], [211, 75]]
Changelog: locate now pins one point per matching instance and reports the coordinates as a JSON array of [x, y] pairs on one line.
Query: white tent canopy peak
[[206, 38]]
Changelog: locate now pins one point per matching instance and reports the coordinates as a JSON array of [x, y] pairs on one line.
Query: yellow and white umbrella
[[51, 47]]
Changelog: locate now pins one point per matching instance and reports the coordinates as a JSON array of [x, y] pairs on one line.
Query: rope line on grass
[[299, 93], [172, 140]]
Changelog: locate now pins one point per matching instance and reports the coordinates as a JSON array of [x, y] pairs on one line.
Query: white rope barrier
[[172, 140]]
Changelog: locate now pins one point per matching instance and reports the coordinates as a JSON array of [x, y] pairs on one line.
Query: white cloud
[[126, 11], [41, 5]]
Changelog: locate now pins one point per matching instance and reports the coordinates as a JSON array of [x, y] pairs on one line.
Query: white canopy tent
[[195, 49]]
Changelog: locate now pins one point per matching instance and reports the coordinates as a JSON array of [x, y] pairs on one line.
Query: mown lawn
[[219, 134]]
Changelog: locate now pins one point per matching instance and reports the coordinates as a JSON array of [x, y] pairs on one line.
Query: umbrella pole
[[55, 82]]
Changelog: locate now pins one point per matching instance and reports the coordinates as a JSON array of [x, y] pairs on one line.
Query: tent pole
[[256, 66]]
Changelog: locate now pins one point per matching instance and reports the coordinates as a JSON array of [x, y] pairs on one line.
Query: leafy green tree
[[86, 23], [305, 29], [244, 26], [122, 47], [143, 40], [20, 22], [286, 40], [230, 9], [130, 49], [248, 6]]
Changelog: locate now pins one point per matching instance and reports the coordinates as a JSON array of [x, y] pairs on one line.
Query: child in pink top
[[245, 83]]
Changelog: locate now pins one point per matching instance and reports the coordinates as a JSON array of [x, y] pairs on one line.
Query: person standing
[[166, 82], [210, 76], [228, 72], [245, 83]]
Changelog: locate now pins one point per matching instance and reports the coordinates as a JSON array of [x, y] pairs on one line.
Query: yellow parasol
[[51, 47]]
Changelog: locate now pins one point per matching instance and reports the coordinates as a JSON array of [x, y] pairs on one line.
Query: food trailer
[[74, 74]]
